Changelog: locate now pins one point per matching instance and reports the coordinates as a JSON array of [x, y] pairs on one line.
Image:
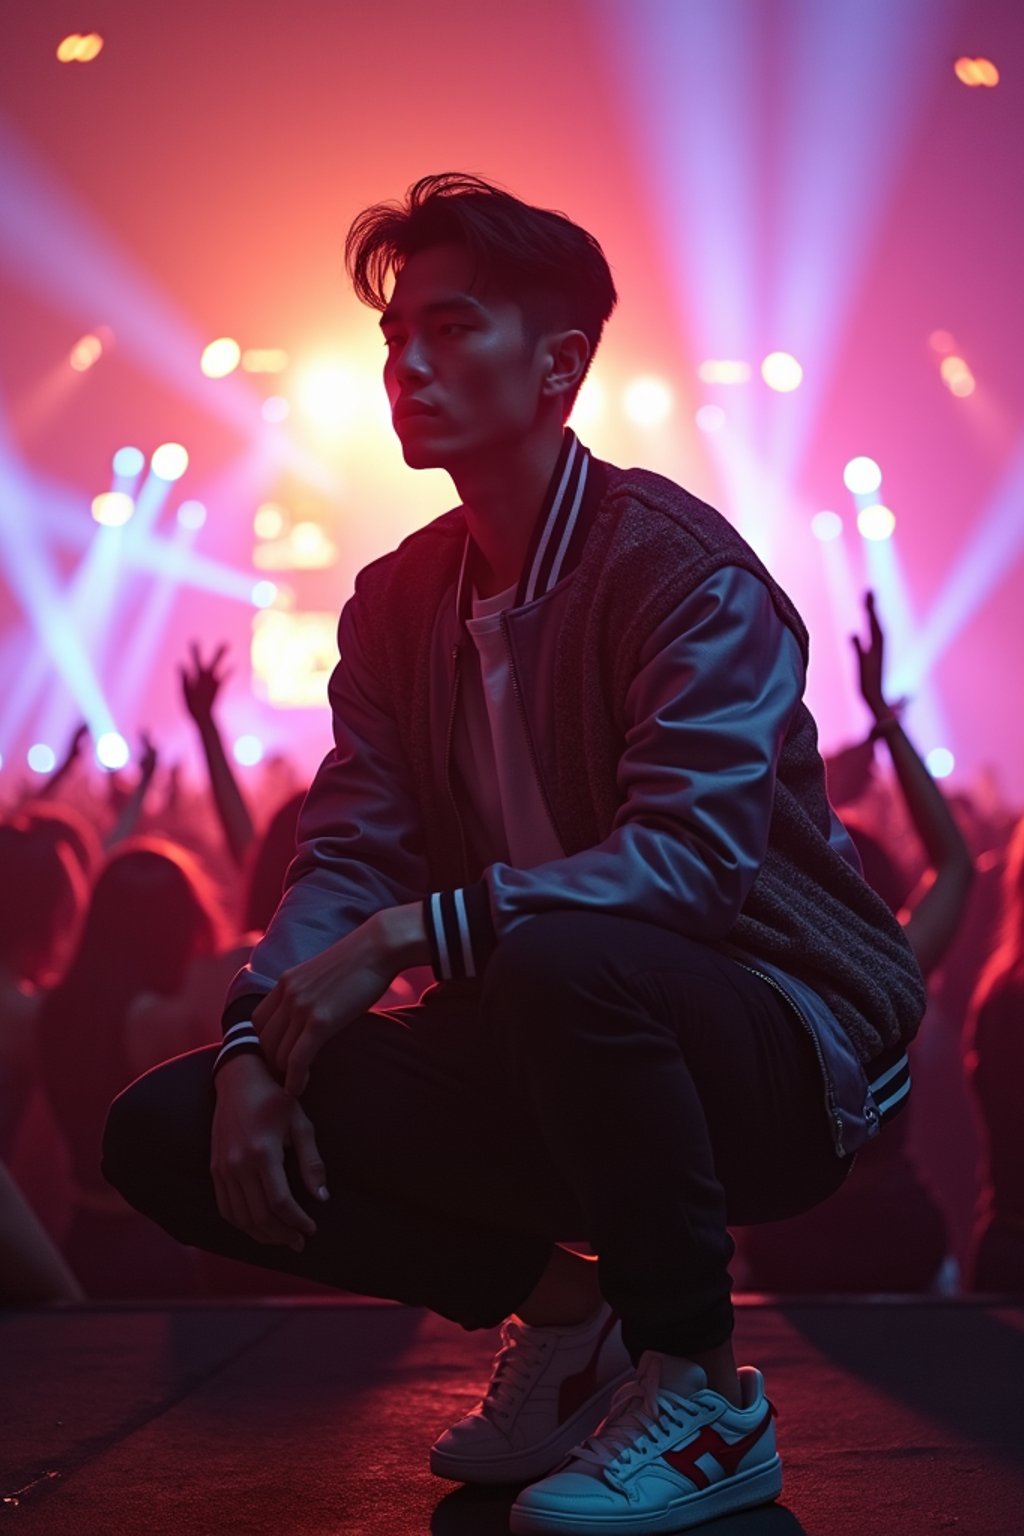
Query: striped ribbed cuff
[[239, 1040], [460, 932]]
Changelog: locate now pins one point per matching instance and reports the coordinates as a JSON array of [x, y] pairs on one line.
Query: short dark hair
[[552, 269]]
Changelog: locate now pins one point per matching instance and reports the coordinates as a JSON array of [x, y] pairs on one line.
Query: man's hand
[[255, 1119], [200, 687], [319, 997]]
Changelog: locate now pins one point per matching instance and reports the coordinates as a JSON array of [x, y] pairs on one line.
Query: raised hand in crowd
[[200, 685], [129, 803]]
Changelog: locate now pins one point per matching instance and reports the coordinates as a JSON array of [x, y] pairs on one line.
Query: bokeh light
[[264, 594], [77, 48], [826, 526], [129, 462], [647, 402], [113, 509], [220, 357], [782, 372], [269, 521], [862, 476], [85, 353], [169, 461], [719, 370], [876, 522], [191, 514], [589, 406], [275, 408], [957, 377], [942, 342], [940, 762], [710, 418], [112, 750], [328, 393], [975, 72], [265, 360], [248, 750], [41, 758]]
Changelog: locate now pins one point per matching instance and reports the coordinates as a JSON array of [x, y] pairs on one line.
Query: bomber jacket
[[659, 670]]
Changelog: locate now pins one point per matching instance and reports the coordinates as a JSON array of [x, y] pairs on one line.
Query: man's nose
[[412, 362]]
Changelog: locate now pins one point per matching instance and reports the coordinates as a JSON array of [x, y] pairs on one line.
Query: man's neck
[[501, 500]]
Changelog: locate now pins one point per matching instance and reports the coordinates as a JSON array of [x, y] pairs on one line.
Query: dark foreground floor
[[296, 1418]]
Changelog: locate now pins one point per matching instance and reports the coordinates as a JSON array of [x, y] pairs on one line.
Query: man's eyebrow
[[460, 302]]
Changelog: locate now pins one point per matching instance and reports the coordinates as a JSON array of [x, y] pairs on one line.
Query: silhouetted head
[[42, 894]]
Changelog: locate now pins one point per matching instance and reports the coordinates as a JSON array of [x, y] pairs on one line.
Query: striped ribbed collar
[[559, 532]]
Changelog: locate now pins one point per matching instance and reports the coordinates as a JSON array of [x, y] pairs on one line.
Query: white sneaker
[[549, 1389], [671, 1454]]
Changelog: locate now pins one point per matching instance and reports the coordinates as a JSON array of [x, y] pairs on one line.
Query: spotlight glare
[[710, 418], [647, 402], [265, 360], [826, 526], [862, 476], [129, 462], [41, 758], [269, 521], [328, 393], [112, 750], [275, 408], [957, 376], [220, 357], [191, 514], [67, 48], [264, 594], [719, 370], [589, 406], [876, 522], [112, 509], [248, 750], [941, 762], [169, 461], [782, 372], [85, 352]]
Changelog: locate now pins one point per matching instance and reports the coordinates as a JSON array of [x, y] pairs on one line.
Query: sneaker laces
[[640, 1412], [515, 1366]]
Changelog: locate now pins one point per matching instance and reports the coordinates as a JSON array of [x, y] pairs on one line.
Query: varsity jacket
[[659, 671]]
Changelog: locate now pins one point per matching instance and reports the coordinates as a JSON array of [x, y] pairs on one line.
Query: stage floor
[[314, 1418]]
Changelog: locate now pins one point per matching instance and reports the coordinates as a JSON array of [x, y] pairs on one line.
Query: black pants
[[609, 1082]]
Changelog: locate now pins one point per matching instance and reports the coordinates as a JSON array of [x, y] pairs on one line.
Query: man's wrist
[[403, 935]]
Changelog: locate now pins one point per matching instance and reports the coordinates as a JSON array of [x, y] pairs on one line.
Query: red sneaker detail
[[575, 1390]]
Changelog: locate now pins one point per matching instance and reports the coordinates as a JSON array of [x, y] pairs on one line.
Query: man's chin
[[421, 456]]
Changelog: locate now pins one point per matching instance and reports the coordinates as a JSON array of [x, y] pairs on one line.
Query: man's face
[[462, 380]]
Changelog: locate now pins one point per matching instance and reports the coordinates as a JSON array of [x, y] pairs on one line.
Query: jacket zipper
[[834, 1117], [456, 676], [521, 707]]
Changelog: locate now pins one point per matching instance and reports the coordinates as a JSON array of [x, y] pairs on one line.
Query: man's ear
[[566, 356]]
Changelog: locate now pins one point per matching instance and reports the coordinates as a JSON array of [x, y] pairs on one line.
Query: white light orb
[[647, 402], [191, 514], [129, 462], [710, 418], [782, 372], [328, 393], [112, 509], [269, 521], [862, 476], [112, 750], [826, 526], [169, 461], [220, 357], [275, 408], [876, 522], [264, 594], [41, 758], [248, 750], [941, 762]]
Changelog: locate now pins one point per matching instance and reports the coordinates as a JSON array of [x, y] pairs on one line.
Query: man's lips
[[412, 407]]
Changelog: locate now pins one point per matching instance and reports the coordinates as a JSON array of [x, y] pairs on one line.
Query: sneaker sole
[[536, 1460], [740, 1491]]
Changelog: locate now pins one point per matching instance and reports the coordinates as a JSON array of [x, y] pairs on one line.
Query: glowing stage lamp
[[976, 72], [191, 514], [647, 402], [826, 526], [941, 762], [79, 49], [220, 357], [112, 751], [264, 594], [957, 377], [248, 750], [275, 409], [723, 370], [269, 521], [129, 462], [942, 342], [862, 476], [86, 352], [710, 418], [876, 522], [41, 758], [782, 372], [169, 461], [328, 393], [112, 509], [311, 549]]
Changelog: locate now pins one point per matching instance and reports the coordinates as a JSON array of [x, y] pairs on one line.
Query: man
[[572, 771]]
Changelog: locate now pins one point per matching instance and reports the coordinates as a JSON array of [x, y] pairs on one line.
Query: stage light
[[85, 353], [975, 72], [265, 360], [826, 526], [113, 509], [264, 594], [269, 521], [112, 750], [957, 377], [328, 393], [862, 476], [710, 418], [79, 49], [647, 402], [129, 462], [293, 655], [191, 514], [41, 758], [940, 762], [942, 342], [717, 370], [67, 48], [589, 406], [169, 461], [275, 408], [782, 372], [220, 357], [248, 750], [876, 522]]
